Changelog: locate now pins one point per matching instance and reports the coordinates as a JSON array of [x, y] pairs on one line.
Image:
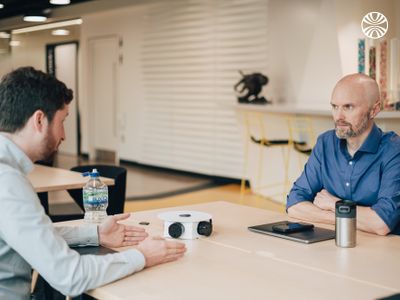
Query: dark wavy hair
[[26, 90]]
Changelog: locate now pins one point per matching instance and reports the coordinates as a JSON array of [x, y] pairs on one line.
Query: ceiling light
[[15, 43], [47, 26], [4, 35], [1, 5], [60, 32], [60, 2], [35, 18]]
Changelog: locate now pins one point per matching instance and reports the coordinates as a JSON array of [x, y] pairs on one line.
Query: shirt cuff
[[387, 211], [135, 257], [87, 236], [294, 198]]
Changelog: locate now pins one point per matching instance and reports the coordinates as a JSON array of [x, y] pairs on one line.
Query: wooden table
[[46, 179], [234, 263]]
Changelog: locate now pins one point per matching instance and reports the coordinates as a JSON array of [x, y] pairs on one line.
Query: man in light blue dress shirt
[[355, 161], [33, 107]]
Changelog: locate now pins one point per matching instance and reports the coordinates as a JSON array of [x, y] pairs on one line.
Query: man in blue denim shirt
[[356, 161]]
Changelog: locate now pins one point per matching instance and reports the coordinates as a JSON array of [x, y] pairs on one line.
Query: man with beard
[[356, 161], [33, 107]]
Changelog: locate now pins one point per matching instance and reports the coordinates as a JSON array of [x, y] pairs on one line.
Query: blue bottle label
[[95, 198]]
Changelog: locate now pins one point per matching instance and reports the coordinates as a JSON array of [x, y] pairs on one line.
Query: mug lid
[[346, 209]]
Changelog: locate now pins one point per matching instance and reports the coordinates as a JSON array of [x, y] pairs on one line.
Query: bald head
[[360, 87], [355, 103]]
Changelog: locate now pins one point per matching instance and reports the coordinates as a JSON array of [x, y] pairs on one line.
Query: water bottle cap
[[94, 173]]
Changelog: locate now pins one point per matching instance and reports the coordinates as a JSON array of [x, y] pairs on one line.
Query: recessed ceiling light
[[15, 43], [60, 32], [47, 26], [4, 35], [35, 18], [60, 2], [1, 5]]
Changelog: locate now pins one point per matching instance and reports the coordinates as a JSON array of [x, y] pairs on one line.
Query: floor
[[143, 182], [147, 182], [229, 193]]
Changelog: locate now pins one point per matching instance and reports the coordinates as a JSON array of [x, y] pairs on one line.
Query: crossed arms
[[322, 210]]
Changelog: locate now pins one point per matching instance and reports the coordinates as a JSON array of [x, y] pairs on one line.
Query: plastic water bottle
[[95, 198]]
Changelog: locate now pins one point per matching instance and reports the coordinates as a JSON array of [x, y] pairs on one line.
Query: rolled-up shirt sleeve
[[387, 206], [27, 230], [309, 183], [84, 235]]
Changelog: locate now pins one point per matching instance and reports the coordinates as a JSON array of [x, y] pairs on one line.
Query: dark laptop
[[313, 235]]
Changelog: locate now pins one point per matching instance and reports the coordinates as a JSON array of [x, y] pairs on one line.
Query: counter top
[[305, 109]]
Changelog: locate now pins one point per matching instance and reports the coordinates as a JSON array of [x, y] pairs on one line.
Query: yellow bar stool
[[302, 133], [256, 134]]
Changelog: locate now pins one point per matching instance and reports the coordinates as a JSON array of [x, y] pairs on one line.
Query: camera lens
[[204, 228], [175, 230]]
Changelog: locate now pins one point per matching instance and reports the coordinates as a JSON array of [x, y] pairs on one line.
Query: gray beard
[[351, 132]]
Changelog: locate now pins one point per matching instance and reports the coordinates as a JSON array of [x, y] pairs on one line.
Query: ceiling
[[14, 8], [13, 11]]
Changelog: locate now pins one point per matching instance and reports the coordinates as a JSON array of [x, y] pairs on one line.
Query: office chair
[[116, 192]]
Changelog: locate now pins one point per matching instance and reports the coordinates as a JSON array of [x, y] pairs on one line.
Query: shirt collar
[[12, 155], [371, 144]]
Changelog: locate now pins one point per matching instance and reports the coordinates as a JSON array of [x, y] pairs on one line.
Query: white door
[[103, 56], [65, 71]]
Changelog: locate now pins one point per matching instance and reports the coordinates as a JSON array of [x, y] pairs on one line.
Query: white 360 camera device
[[186, 225]]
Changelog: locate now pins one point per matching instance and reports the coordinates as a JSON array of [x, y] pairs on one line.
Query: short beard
[[351, 133], [47, 154]]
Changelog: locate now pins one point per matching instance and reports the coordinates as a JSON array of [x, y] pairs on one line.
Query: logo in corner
[[374, 25]]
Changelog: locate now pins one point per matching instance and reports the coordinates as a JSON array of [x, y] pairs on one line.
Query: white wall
[[127, 24], [348, 15], [397, 18], [5, 63], [312, 43], [66, 71], [305, 59]]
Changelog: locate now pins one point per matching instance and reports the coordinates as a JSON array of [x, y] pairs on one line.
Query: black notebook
[[313, 235]]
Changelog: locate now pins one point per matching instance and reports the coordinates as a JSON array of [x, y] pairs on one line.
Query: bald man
[[356, 161]]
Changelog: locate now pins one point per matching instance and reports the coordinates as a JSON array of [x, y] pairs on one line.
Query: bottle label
[[95, 198]]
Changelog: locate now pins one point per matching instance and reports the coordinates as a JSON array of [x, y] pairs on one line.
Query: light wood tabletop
[[46, 179], [234, 263]]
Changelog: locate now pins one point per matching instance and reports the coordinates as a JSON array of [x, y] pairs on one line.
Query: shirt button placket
[[348, 189], [348, 179]]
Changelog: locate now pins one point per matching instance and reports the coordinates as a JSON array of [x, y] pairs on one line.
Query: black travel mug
[[346, 222]]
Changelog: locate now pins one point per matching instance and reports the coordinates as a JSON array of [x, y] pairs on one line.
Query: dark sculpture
[[253, 83]]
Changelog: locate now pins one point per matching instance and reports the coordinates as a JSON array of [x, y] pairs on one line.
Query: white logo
[[374, 25]]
